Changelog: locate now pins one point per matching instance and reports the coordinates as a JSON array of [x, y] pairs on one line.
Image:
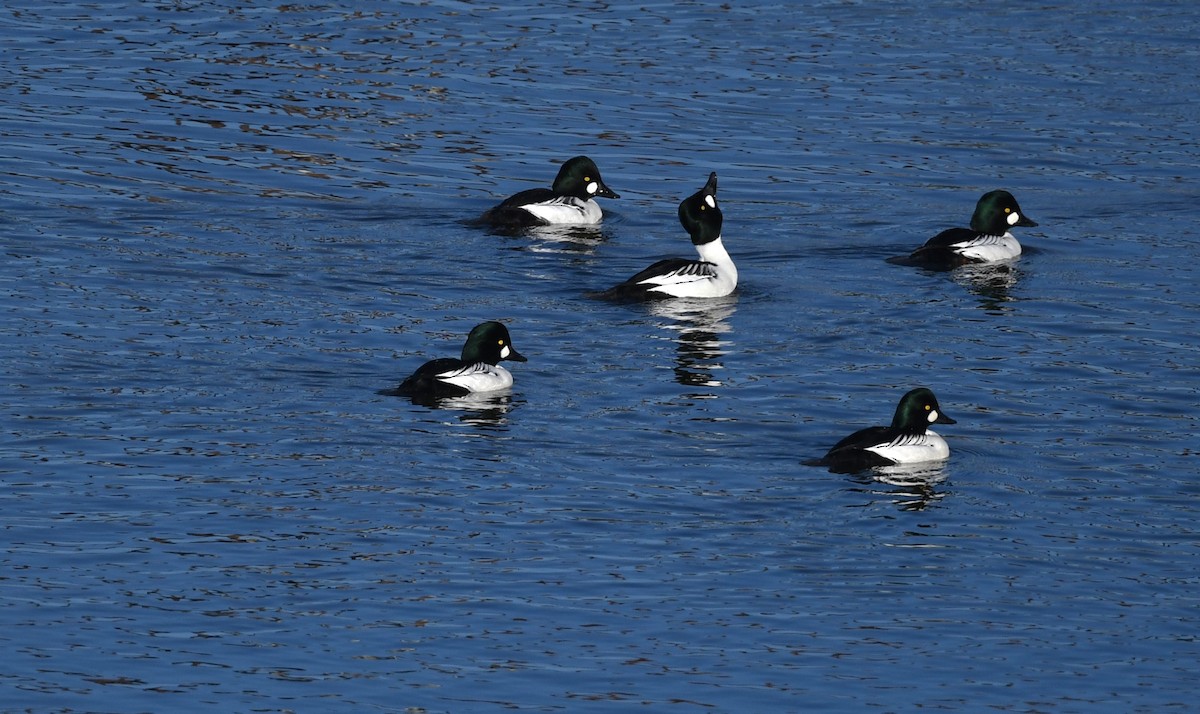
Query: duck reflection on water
[[487, 410], [910, 487], [990, 283], [577, 240], [701, 327]]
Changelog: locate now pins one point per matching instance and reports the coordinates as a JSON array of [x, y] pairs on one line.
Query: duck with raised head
[[713, 275]]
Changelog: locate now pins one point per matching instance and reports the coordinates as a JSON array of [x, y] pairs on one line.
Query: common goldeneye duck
[[713, 275], [907, 441], [476, 371], [570, 201], [987, 240]]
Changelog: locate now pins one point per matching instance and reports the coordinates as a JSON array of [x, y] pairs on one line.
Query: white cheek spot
[[1013, 218], [933, 415], [712, 202], [504, 352], [593, 187]]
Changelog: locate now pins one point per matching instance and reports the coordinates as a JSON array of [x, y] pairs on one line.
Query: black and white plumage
[[477, 370], [908, 440], [571, 200], [713, 275], [988, 239]]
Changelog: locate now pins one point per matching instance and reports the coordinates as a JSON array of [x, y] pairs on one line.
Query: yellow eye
[[501, 342], [587, 179], [928, 407], [1008, 210]]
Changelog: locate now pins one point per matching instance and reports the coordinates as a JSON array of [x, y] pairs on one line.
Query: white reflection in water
[[701, 326], [992, 283], [481, 409], [911, 487], [565, 239]]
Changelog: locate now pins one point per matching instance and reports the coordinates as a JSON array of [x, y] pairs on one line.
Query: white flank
[[479, 377], [717, 279], [566, 210], [914, 449], [990, 248]]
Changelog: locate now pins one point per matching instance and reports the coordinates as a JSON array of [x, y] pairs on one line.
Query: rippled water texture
[[227, 227]]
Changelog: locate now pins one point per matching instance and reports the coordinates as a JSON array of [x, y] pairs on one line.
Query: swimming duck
[[571, 200], [713, 275], [477, 370], [987, 240], [908, 440]]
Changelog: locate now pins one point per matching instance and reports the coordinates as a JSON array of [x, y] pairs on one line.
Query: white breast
[[914, 449], [479, 377], [990, 248], [566, 210]]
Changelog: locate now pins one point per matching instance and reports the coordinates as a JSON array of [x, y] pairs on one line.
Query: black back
[[509, 214], [849, 455], [424, 382], [937, 254]]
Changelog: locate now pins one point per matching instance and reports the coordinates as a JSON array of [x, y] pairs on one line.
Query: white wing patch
[[989, 248], [566, 210], [479, 377], [914, 449], [690, 273]]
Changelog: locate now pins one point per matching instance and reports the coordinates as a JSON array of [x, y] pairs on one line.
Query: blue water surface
[[227, 227]]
